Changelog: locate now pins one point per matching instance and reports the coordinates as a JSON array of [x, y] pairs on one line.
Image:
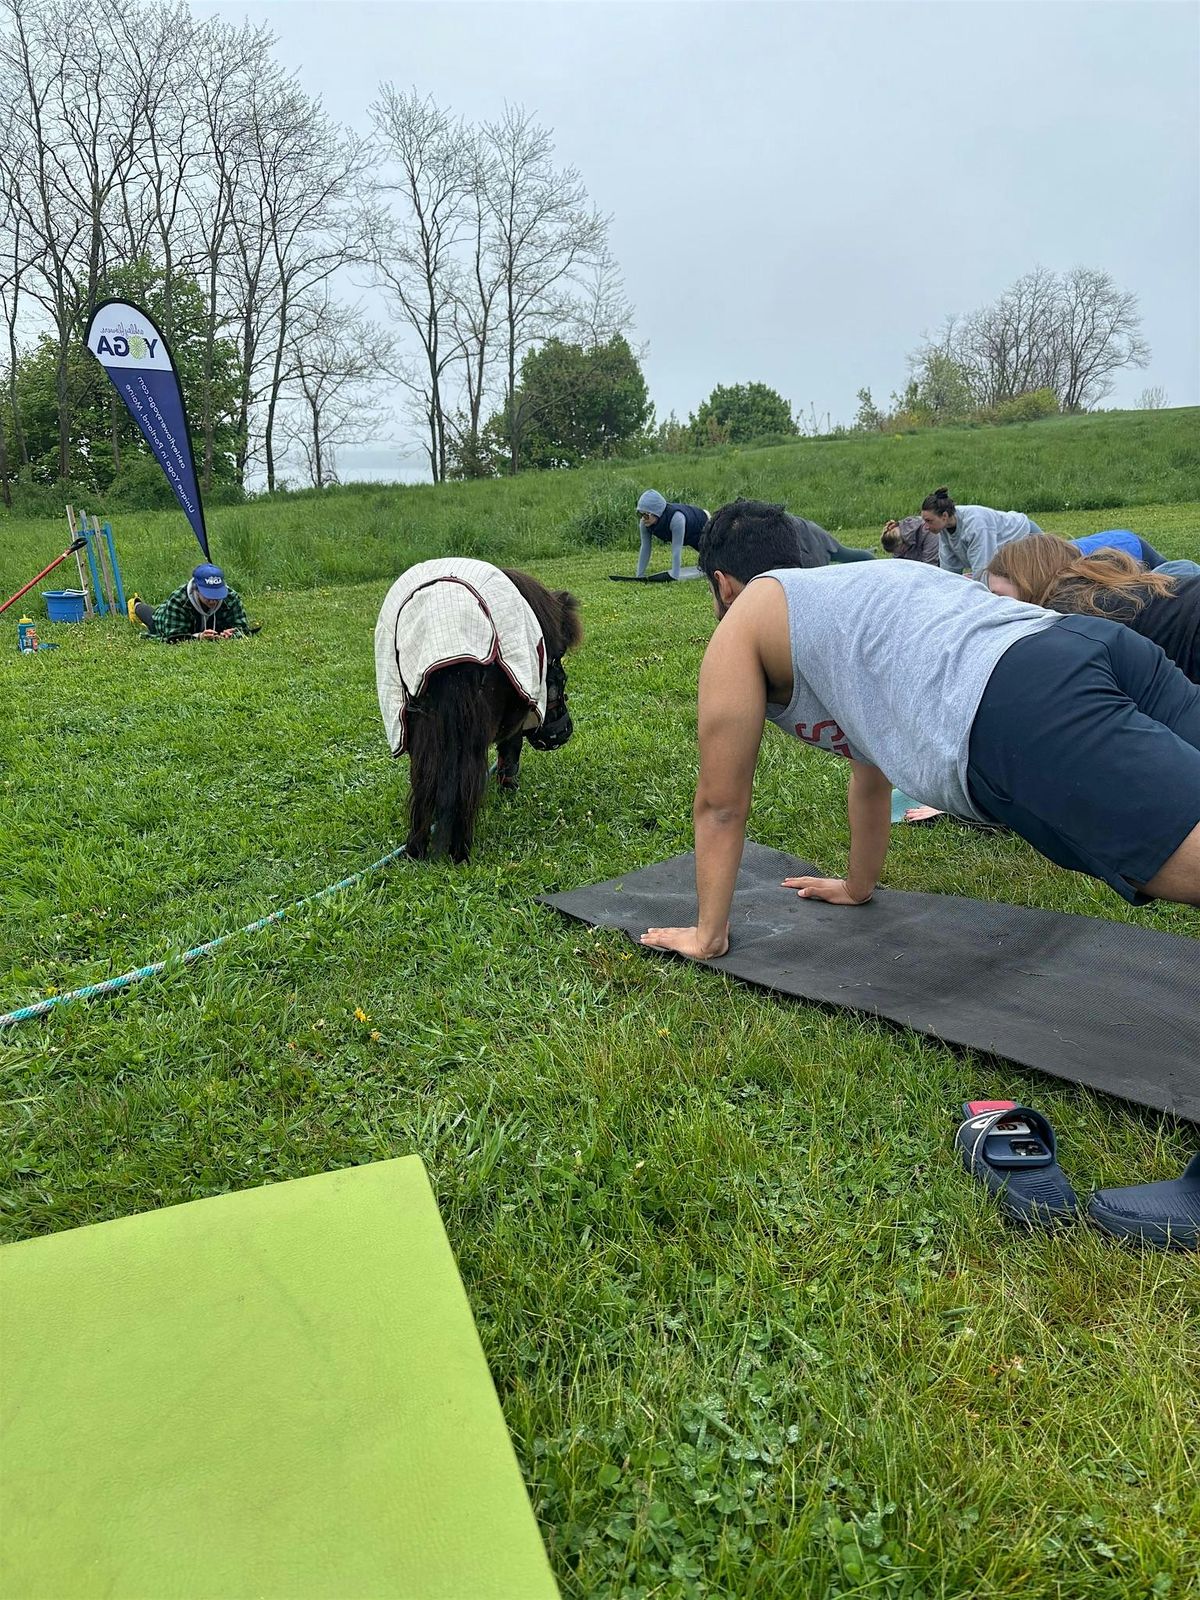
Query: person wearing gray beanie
[[660, 518]]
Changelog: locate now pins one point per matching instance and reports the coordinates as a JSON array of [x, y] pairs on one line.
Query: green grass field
[[754, 1331]]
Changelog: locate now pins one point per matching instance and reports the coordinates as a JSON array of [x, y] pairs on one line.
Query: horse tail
[[450, 728]]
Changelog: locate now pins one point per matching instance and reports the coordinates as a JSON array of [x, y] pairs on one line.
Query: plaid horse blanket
[[440, 613]]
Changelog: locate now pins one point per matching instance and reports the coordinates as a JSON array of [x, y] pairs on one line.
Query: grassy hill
[[754, 1331], [1061, 466]]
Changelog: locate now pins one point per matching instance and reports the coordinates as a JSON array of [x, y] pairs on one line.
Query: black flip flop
[[630, 577], [1012, 1149], [1166, 1215]]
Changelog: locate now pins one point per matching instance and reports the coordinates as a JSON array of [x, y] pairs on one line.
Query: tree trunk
[[114, 421], [62, 394], [318, 465], [512, 394]]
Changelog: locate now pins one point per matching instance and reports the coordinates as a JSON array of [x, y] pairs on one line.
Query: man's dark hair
[[940, 502], [749, 537]]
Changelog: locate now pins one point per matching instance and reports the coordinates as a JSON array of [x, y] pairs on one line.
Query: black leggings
[[144, 613], [845, 552]]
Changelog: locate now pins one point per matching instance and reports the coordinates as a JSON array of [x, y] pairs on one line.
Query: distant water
[[370, 464], [376, 463]]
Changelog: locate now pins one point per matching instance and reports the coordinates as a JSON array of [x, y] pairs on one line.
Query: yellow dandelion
[[360, 1015], [376, 1035]]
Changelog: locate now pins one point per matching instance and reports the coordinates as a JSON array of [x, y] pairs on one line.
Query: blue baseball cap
[[210, 582]]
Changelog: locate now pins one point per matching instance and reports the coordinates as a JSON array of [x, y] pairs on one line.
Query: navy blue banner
[[126, 343]]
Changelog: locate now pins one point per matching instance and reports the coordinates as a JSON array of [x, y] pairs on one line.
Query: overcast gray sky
[[799, 191]]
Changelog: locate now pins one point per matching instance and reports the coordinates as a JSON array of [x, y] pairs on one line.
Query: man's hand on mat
[[686, 942], [835, 891], [923, 814]]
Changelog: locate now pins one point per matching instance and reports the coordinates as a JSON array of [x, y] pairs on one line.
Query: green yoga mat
[[274, 1393]]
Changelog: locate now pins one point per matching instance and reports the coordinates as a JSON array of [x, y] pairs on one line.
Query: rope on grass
[[128, 979]]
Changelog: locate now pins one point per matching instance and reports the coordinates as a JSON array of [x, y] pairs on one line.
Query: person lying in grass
[[204, 607], [1075, 732], [1048, 572]]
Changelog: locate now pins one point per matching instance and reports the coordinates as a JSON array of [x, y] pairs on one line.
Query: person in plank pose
[[1073, 731], [969, 536], [684, 524], [659, 518]]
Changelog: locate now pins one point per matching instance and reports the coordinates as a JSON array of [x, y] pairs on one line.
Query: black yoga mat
[[1105, 1004], [656, 577]]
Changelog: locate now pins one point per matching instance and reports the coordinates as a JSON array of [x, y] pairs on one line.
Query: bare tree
[[477, 286], [308, 176], [338, 359], [1100, 328], [1065, 332], [1154, 399], [13, 264], [289, 224], [51, 211], [1011, 346], [602, 308], [546, 234], [431, 163], [231, 62]]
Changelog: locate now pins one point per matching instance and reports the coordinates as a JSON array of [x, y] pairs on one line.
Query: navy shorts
[[1087, 744]]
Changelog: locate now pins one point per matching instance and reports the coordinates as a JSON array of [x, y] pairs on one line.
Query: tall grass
[[363, 531]]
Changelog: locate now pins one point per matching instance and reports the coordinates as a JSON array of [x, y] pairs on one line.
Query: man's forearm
[[720, 837], [870, 809]]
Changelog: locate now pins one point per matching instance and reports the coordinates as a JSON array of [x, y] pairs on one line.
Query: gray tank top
[[890, 660]]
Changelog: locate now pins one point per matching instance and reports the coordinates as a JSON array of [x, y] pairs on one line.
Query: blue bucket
[[64, 605]]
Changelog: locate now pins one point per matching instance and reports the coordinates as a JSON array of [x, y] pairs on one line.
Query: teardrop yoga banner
[[129, 346]]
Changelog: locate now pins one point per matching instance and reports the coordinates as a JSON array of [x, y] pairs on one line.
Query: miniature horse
[[466, 708]]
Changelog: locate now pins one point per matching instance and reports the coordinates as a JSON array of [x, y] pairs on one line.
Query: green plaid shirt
[[177, 617]]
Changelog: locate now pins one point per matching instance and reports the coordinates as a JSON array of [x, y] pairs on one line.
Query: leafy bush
[[740, 412], [1030, 407], [141, 485]]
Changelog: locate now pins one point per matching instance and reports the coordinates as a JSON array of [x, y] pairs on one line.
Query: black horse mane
[[556, 610], [463, 711]]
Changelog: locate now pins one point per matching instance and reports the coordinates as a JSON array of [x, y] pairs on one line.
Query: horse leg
[[508, 762]]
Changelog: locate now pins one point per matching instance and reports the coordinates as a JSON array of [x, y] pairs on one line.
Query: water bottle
[[27, 638]]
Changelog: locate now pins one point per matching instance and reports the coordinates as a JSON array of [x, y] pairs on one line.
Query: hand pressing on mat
[[834, 891], [686, 942]]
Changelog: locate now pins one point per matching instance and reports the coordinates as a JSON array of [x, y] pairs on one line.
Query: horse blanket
[[445, 612]]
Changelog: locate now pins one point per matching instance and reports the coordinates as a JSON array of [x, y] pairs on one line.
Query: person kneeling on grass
[[205, 607], [1075, 732]]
